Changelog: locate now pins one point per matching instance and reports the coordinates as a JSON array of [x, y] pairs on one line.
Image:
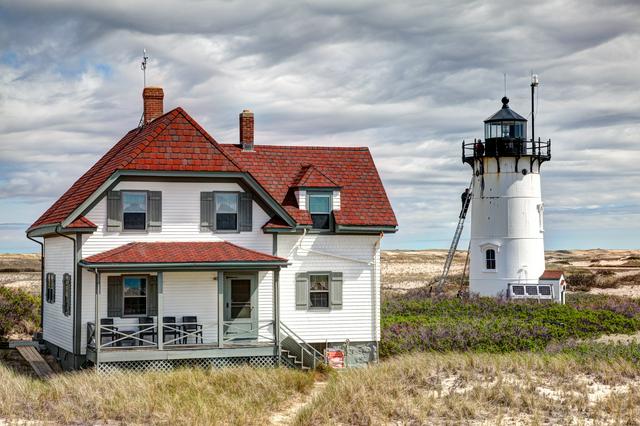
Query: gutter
[[41, 279]]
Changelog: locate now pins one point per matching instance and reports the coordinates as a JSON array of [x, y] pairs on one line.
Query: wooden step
[[33, 357]]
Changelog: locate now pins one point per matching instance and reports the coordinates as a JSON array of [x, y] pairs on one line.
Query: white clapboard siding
[[358, 320], [180, 219], [58, 258]]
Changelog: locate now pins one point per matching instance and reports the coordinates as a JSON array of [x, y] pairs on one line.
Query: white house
[[174, 249]]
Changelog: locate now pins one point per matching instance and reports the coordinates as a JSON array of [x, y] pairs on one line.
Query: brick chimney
[[152, 98], [246, 130]]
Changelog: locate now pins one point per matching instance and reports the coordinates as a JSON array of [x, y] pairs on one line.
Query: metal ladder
[[456, 239]]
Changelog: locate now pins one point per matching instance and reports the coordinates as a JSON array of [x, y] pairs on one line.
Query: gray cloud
[[409, 79]]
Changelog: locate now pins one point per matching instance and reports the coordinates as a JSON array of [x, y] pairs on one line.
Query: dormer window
[[134, 210], [320, 207]]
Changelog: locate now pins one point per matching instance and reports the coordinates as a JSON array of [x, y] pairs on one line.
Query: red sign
[[335, 358]]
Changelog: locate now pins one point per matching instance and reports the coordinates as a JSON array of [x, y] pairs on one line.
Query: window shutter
[[114, 211], [66, 294], [154, 215], [152, 296], [302, 290], [246, 211], [335, 290], [114, 296], [206, 211]]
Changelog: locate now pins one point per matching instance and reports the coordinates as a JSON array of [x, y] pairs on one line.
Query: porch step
[[294, 361]]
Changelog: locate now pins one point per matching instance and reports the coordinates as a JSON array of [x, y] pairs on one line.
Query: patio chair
[[146, 324], [109, 331], [190, 326], [170, 331]]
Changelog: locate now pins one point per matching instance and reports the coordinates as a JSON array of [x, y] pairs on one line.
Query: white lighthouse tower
[[507, 229]]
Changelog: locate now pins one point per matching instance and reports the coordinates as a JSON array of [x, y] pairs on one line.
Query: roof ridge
[[316, 168], [310, 147]]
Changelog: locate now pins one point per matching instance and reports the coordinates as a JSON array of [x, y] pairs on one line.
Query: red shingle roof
[[181, 252], [82, 222], [549, 274], [175, 142], [363, 200]]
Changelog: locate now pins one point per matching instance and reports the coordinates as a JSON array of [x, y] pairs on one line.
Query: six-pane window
[[319, 291], [135, 296], [226, 211], [134, 210], [320, 209], [66, 294], [50, 290], [490, 256]]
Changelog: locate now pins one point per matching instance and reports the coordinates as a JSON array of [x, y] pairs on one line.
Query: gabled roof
[[363, 200], [311, 177], [180, 252], [549, 274], [175, 142]]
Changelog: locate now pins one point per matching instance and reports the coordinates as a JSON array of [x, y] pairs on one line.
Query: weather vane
[[143, 66]]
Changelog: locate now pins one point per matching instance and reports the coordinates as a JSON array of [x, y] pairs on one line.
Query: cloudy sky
[[409, 79]]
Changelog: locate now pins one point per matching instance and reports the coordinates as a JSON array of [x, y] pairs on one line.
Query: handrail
[[244, 334], [315, 354]]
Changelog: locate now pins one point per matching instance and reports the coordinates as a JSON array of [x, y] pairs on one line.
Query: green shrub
[[19, 311], [413, 322]]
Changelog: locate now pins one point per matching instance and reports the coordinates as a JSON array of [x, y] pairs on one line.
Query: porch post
[[160, 311], [276, 312], [96, 328], [220, 309]]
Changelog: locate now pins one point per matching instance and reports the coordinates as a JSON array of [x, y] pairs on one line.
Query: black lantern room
[[505, 135], [506, 123]]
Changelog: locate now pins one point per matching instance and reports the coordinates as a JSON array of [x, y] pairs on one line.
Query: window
[[135, 296], [226, 204], [490, 257], [134, 210], [50, 290], [319, 291], [320, 209], [66, 294]]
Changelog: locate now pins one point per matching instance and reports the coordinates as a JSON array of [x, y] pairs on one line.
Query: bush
[[413, 322], [581, 281], [19, 312]]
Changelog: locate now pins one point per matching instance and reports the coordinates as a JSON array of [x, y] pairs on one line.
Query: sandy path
[[286, 416]]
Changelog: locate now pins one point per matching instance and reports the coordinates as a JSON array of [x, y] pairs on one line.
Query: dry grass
[[187, 396], [518, 388]]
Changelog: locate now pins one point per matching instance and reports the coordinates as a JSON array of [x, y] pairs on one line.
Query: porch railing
[[237, 333]]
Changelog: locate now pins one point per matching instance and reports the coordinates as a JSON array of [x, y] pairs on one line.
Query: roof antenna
[[505, 84], [143, 66]]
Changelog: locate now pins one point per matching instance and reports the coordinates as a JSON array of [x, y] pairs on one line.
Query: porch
[[152, 315]]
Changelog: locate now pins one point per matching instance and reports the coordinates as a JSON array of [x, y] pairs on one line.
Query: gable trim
[[117, 175]]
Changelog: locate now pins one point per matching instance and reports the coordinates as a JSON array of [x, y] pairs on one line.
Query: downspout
[[41, 280], [75, 264]]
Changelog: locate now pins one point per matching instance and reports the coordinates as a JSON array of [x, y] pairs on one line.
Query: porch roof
[[182, 255]]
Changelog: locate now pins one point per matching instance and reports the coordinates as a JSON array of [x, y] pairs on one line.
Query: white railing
[[124, 334], [237, 332]]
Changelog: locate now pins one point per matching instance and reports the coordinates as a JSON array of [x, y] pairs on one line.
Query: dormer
[[319, 194]]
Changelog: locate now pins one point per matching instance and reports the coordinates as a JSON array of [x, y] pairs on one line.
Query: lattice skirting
[[171, 364]]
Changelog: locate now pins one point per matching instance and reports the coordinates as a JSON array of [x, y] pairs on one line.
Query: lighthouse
[[507, 213]]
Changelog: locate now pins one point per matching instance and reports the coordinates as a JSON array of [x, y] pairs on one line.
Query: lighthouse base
[[550, 286]]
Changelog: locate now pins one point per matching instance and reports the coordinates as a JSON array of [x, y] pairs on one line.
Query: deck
[[148, 353]]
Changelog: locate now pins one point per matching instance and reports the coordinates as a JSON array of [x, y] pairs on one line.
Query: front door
[[240, 310]]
